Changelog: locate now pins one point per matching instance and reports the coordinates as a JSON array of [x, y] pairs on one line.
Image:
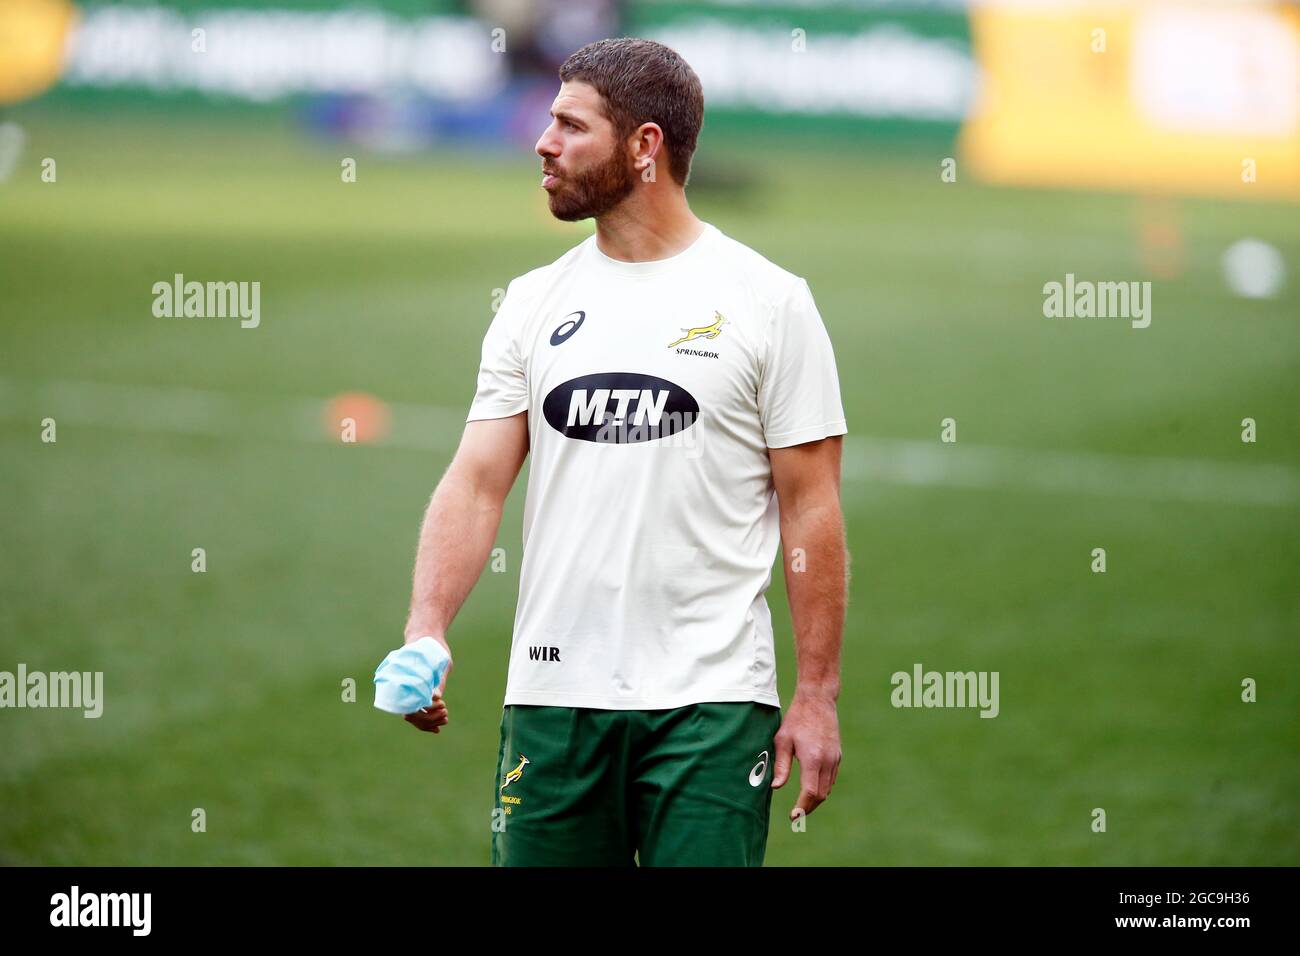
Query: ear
[[647, 146]]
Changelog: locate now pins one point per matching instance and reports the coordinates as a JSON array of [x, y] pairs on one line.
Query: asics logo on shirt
[[703, 332], [562, 334], [619, 408]]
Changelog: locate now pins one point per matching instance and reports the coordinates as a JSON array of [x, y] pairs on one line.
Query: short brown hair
[[642, 81]]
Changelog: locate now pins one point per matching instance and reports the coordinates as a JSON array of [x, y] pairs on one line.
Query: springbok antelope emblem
[[518, 772], [703, 332]]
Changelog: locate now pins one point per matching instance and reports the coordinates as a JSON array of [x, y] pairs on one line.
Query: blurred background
[[928, 165]]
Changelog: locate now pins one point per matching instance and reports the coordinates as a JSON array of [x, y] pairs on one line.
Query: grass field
[[1118, 690]]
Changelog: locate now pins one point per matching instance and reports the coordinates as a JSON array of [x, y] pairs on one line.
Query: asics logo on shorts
[[760, 770]]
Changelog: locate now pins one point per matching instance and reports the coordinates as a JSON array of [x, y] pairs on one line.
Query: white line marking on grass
[[902, 462], [191, 411]]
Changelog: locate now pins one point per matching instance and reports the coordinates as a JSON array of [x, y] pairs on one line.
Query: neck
[[640, 230]]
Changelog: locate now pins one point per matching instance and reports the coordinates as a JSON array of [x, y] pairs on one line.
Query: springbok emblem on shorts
[[518, 772], [703, 332]]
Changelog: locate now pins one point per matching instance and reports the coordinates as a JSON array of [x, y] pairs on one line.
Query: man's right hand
[[456, 537], [432, 717]]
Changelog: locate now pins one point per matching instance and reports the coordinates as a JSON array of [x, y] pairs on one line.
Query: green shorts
[[578, 786]]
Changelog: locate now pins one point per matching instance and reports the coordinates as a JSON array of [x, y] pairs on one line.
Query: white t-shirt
[[649, 539]]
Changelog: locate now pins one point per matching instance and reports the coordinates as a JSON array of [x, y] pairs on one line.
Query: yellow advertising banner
[[1173, 97], [32, 37]]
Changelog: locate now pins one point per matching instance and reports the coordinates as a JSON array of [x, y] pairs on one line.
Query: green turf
[[1118, 691]]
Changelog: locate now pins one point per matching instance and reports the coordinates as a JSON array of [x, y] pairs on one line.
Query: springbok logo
[[518, 772], [703, 332]]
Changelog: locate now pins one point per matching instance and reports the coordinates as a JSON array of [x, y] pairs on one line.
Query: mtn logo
[[619, 408]]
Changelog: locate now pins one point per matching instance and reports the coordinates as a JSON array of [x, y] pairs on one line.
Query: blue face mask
[[406, 679]]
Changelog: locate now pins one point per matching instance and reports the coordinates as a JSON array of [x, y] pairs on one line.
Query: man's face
[[587, 170]]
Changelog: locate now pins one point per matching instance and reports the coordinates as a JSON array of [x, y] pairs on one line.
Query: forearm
[[460, 526], [816, 574]]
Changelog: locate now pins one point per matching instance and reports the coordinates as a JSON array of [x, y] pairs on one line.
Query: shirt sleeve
[[799, 391], [502, 383]]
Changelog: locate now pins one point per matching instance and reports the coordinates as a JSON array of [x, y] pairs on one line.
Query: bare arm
[[460, 526], [807, 480]]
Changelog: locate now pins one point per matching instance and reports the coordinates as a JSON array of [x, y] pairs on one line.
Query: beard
[[594, 191]]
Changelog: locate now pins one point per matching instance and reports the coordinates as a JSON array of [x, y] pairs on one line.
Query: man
[[679, 396]]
